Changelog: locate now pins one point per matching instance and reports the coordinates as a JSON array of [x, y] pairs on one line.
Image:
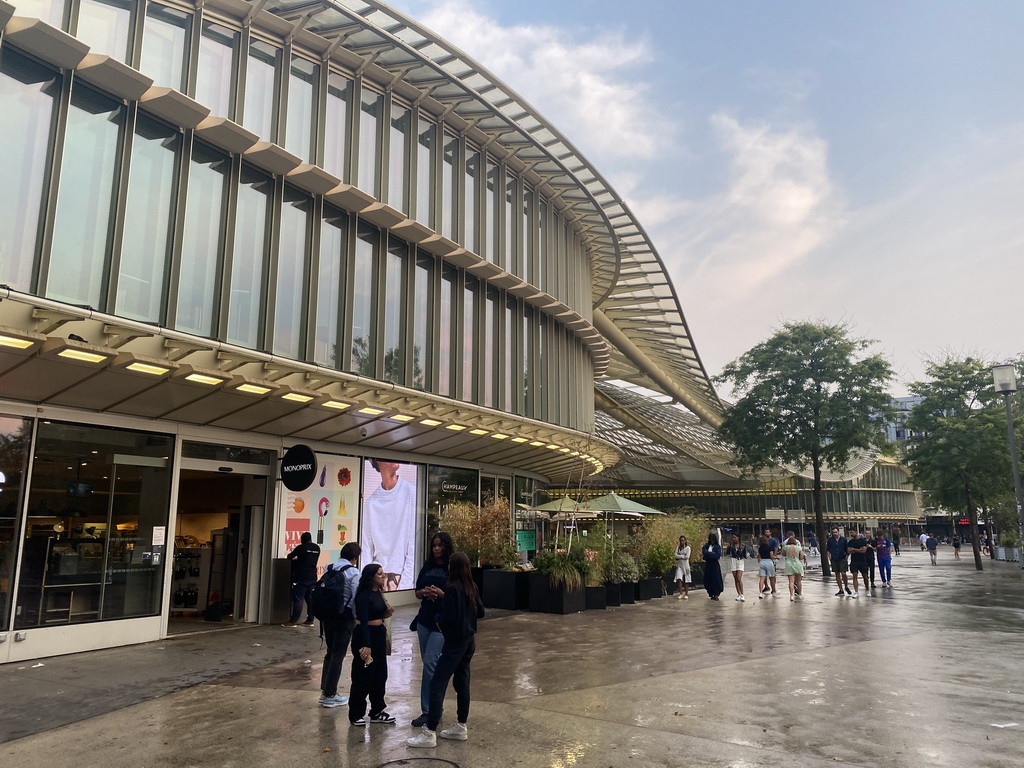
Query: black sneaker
[[839, 593], [420, 721], [848, 591], [358, 722], [382, 717]]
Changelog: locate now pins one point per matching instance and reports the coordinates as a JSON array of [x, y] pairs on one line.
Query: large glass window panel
[[214, 84], [15, 441], [471, 186], [105, 26], [542, 350], [330, 287], [541, 276], [529, 379], [445, 341], [202, 240], [470, 296], [99, 499], [526, 245], [492, 213], [398, 150], [339, 96], [488, 351], [249, 258], [28, 92], [425, 149], [510, 374], [421, 321], [81, 237], [363, 357], [370, 106], [449, 158], [301, 105], [164, 42], [395, 310], [50, 11], [260, 87], [292, 260], [511, 226], [148, 215]]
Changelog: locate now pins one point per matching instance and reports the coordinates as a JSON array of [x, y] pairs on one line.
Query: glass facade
[[109, 206]]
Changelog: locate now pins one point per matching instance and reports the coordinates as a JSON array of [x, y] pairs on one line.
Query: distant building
[[896, 430]]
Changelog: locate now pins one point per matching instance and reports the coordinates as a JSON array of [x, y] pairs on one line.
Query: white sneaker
[[791, 598], [425, 738], [855, 595], [679, 596], [775, 594], [686, 597], [743, 599], [457, 732], [739, 598]]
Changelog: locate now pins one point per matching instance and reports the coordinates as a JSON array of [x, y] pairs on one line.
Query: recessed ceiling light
[[402, 417], [338, 405], [551, 447], [563, 450], [14, 342], [430, 422], [81, 355], [455, 427], [518, 439], [252, 389], [295, 397], [536, 443], [199, 378], [478, 431], [152, 370], [372, 411], [500, 436]]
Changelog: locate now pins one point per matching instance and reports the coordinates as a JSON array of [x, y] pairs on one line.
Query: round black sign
[[298, 468]]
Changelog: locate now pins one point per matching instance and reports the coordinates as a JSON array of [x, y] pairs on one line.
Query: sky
[[857, 163]]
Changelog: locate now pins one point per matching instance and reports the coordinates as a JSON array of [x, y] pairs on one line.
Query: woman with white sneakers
[[682, 574], [737, 553]]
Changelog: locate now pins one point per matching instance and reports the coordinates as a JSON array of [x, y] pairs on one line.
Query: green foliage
[[621, 567], [959, 452], [483, 533], [563, 567], [655, 540]]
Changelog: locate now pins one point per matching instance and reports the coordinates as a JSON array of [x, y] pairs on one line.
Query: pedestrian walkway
[[920, 675]]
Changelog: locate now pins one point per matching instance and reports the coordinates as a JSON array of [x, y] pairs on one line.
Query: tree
[[959, 453], [809, 396]]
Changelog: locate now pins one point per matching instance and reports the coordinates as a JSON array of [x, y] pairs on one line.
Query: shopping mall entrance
[[219, 530]]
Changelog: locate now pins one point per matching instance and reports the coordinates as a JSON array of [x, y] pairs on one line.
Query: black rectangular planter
[[670, 585], [627, 592], [547, 599], [596, 598], [612, 596], [649, 589], [508, 590]]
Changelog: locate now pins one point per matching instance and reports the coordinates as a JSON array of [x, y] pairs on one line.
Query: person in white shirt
[[388, 535]]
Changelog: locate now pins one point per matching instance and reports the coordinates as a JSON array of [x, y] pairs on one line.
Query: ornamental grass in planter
[[557, 584], [621, 574]]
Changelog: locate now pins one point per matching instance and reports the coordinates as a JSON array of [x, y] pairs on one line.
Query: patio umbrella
[[612, 502], [560, 510]]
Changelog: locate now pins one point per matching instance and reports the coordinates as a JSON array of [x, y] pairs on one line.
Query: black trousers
[[337, 634], [453, 665], [300, 594], [871, 570], [369, 680]]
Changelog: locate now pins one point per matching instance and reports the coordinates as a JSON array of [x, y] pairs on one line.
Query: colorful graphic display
[[390, 521], [328, 509]]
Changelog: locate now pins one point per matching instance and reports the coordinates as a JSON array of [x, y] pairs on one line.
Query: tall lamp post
[[1005, 379]]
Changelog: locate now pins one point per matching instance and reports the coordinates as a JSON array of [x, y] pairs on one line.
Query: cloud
[[579, 83]]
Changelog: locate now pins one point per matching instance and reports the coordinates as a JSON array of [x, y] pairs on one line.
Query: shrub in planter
[[621, 570], [557, 584]]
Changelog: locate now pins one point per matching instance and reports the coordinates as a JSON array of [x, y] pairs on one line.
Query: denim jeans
[[431, 643]]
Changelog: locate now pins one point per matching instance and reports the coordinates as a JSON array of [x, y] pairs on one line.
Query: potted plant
[[557, 584], [595, 592], [622, 574], [658, 559]]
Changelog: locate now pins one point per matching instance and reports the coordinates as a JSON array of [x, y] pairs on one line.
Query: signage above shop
[[298, 468]]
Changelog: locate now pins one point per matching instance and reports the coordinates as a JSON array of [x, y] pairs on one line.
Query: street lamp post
[[1004, 377]]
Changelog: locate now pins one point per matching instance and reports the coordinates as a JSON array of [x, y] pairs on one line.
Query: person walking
[[923, 538], [896, 542], [682, 573], [460, 610], [957, 543], [795, 561], [774, 544], [430, 583], [932, 545], [303, 561], [370, 649], [869, 555], [884, 555], [812, 545], [711, 553], [765, 568], [857, 547], [737, 554], [337, 629], [837, 554]]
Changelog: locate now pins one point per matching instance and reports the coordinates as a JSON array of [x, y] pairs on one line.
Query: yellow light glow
[[82, 355], [563, 450], [295, 397], [500, 436], [430, 422], [402, 417], [551, 447], [252, 389], [338, 405], [371, 411], [575, 453], [16, 343], [152, 370], [536, 444], [518, 439], [478, 431], [455, 427]]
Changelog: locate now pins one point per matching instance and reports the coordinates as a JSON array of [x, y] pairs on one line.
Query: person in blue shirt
[[837, 553]]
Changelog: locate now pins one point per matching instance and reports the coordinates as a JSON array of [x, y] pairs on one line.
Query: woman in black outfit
[[430, 585], [712, 553], [369, 649], [460, 609]]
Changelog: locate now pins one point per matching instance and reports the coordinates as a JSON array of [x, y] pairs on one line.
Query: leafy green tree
[[959, 452], [809, 396]]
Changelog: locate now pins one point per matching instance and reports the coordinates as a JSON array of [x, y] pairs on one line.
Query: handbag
[[387, 631]]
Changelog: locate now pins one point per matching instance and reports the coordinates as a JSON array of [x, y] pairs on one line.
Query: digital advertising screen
[[390, 521]]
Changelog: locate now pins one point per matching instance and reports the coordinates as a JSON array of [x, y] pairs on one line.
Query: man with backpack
[[332, 601]]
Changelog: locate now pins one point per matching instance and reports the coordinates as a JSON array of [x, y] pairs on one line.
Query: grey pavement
[[920, 675]]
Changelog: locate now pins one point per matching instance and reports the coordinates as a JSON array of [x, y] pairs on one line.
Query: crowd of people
[[862, 554]]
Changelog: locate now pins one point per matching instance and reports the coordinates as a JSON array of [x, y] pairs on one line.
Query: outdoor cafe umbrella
[[561, 510], [618, 506]]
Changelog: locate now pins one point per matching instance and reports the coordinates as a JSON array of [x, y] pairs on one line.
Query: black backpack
[[328, 598]]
